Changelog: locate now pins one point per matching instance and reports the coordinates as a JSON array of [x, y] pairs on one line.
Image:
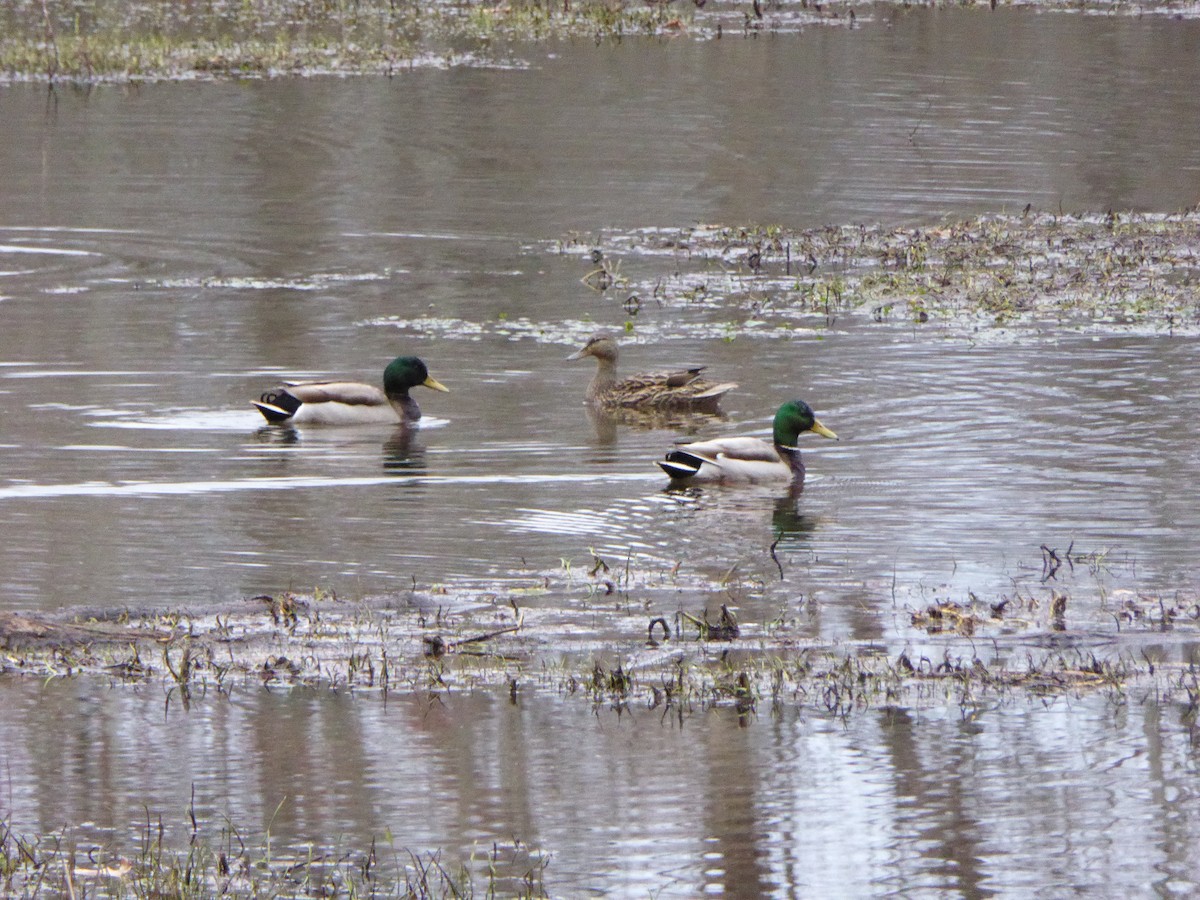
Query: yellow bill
[[822, 430], [431, 382]]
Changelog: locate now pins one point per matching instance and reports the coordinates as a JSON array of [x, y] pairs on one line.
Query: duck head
[[601, 346], [406, 372], [794, 418]]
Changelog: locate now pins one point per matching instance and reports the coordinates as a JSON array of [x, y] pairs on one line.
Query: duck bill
[[432, 382], [578, 354], [822, 430]]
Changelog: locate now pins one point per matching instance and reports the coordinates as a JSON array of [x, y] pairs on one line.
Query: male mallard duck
[[748, 459], [350, 402], [678, 390]]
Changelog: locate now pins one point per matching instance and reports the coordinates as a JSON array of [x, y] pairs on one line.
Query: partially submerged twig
[[437, 646]]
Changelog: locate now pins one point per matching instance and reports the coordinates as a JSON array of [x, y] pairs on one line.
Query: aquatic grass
[[539, 21], [627, 632], [65, 40], [828, 678], [233, 864], [148, 57], [1110, 272], [129, 40]]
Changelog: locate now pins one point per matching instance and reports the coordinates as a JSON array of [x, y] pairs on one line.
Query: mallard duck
[[684, 389], [748, 459], [350, 402]]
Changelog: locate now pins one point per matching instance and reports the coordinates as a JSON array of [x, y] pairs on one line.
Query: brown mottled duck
[[681, 390]]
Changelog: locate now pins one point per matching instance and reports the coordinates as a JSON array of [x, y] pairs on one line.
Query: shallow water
[[637, 804], [169, 252]]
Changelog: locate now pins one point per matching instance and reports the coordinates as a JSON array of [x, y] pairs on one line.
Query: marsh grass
[[1110, 272], [126, 40], [132, 40], [616, 633], [54, 865]]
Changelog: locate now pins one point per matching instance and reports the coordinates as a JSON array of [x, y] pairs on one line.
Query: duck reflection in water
[[605, 421], [789, 524], [742, 515], [403, 452], [273, 434]]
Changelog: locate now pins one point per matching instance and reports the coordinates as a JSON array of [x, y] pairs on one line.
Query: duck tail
[[277, 406], [717, 391], [684, 378], [681, 464]]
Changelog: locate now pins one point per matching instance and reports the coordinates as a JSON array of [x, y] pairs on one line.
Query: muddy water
[[169, 252]]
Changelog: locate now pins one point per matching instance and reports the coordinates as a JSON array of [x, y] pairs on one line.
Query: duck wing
[[351, 393], [666, 389], [723, 451], [685, 376]]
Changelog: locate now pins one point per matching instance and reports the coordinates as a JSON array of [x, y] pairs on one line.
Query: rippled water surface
[[168, 253], [636, 805]]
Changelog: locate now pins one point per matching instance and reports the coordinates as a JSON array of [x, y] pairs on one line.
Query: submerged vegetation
[[654, 648], [131, 40], [51, 866], [1112, 272]]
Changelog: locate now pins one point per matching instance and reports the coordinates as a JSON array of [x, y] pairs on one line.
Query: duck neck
[[606, 377], [405, 406], [792, 457]]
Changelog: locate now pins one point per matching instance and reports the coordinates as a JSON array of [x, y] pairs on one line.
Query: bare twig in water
[[912, 135], [438, 646], [1050, 563], [779, 565], [491, 634]]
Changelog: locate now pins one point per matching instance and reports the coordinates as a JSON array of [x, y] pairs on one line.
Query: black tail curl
[[281, 399]]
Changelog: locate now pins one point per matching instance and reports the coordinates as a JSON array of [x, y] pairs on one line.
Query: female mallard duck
[[748, 459], [666, 390], [349, 402]]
